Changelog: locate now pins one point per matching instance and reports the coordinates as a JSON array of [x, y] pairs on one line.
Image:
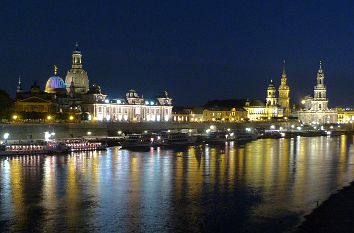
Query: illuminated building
[[316, 110], [224, 114], [272, 106], [77, 76], [55, 84], [284, 94], [345, 115], [34, 100], [132, 108], [231, 110], [256, 110], [187, 114], [75, 97]]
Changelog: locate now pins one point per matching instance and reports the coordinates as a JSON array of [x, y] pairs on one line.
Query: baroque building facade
[[77, 76], [316, 109], [272, 108], [132, 108], [284, 93], [74, 96]]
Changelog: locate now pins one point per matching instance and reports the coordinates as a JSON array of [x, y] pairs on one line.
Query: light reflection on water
[[262, 186]]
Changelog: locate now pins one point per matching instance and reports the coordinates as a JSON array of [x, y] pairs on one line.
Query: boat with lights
[[219, 137], [81, 144], [138, 141], [175, 138], [33, 147]]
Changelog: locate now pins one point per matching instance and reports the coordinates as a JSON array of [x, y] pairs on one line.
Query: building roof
[[225, 104], [54, 83], [94, 89], [187, 110], [257, 103]]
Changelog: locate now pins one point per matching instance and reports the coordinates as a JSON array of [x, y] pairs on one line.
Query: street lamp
[[6, 136], [46, 135]]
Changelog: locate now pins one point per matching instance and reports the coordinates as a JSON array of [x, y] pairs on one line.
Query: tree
[[6, 105]]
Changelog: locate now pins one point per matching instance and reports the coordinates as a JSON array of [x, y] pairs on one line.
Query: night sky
[[196, 50]]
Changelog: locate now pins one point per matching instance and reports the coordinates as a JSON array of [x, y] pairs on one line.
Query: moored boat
[[80, 144], [244, 136], [33, 147], [175, 138], [138, 141], [219, 137]]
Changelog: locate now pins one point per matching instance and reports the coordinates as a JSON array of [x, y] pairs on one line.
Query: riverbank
[[333, 215], [22, 131]]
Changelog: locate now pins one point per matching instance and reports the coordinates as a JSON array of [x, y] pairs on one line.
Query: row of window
[[135, 110]]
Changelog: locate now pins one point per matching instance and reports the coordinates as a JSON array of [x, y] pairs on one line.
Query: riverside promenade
[[334, 215], [22, 131]]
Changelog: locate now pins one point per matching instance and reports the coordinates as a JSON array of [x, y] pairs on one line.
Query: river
[[266, 185]]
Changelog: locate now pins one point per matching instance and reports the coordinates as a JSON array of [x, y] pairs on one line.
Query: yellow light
[[303, 102], [14, 117], [71, 118], [49, 117]]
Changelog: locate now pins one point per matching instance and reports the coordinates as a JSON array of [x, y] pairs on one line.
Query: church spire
[[77, 62], [320, 68], [320, 75], [19, 85], [77, 46], [284, 73], [55, 70]]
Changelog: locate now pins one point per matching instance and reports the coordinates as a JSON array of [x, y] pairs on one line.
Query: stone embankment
[[334, 215], [20, 131]]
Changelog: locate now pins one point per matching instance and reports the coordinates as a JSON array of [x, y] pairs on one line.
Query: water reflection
[[266, 185]]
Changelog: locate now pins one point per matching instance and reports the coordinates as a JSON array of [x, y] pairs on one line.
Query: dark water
[[262, 186]]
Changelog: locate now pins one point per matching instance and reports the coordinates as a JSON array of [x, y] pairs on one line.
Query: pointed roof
[[76, 46], [320, 68], [19, 85], [284, 73], [55, 70]]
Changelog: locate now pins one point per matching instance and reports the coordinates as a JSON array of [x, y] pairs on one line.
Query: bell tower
[[271, 95], [77, 74], [320, 101], [284, 93], [77, 64]]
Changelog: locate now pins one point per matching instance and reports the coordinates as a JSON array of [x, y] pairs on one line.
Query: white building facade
[[316, 110], [131, 109]]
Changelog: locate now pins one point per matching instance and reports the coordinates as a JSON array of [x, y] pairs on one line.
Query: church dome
[[271, 85], [55, 84], [77, 74]]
